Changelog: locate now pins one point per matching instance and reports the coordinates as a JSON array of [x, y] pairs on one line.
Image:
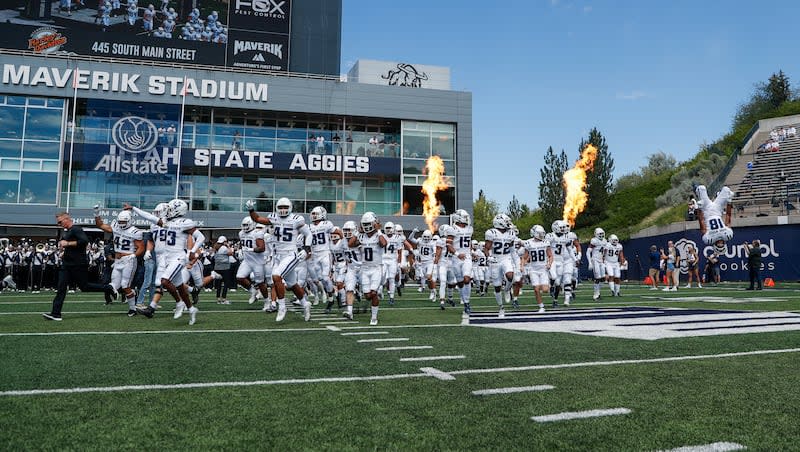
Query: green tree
[[777, 89], [517, 210], [599, 182], [551, 189], [483, 212]]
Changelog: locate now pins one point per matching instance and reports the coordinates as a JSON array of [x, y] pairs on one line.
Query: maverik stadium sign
[[136, 150], [126, 82]]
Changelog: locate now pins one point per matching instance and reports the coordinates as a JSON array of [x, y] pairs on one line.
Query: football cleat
[[347, 315], [307, 311], [373, 322], [146, 311], [131, 312], [502, 313], [281, 313], [253, 295], [179, 308], [192, 315]]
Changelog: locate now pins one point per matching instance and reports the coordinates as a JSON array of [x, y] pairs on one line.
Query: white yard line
[[624, 362], [713, 447], [438, 374], [432, 358], [581, 414], [333, 328], [364, 333], [338, 323], [189, 331], [427, 372], [512, 390], [411, 347], [393, 339]]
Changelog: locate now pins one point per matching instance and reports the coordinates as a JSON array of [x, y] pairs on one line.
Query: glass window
[[11, 122], [32, 165], [413, 166], [321, 190], [440, 127], [50, 166], [416, 145], [10, 148], [290, 146], [55, 103], [39, 188], [41, 149], [225, 186], [291, 188], [259, 144], [43, 124], [9, 183], [15, 100], [444, 145], [10, 164], [259, 131], [36, 102], [262, 189]]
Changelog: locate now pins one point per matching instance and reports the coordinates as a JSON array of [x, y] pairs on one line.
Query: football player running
[[710, 216], [594, 256], [172, 252], [287, 229], [319, 266], [353, 266], [563, 242], [614, 257], [459, 243], [443, 266], [128, 246], [251, 240], [372, 243], [500, 249], [392, 257], [539, 258]]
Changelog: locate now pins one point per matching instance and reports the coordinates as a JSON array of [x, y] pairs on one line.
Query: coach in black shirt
[[74, 265]]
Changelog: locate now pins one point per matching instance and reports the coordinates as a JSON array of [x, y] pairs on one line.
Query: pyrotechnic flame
[[435, 182], [575, 182]]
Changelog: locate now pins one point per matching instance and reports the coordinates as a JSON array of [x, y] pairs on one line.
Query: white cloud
[[633, 95]]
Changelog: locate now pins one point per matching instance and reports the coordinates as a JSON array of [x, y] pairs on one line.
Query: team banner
[[780, 257], [118, 159], [195, 32]]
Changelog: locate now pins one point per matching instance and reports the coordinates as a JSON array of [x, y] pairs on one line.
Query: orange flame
[[574, 181], [435, 182]]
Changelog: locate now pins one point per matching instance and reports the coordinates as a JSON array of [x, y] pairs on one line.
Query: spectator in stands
[[791, 133], [781, 134], [773, 135], [753, 251]]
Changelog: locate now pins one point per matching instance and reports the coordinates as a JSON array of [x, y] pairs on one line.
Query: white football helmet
[[720, 247], [124, 219], [161, 210], [348, 229], [599, 234], [613, 239], [474, 245], [248, 224], [177, 208], [427, 236], [368, 221], [501, 221], [388, 228], [565, 227], [538, 232], [560, 227], [283, 207], [461, 216], [398, 229], [318, 213]]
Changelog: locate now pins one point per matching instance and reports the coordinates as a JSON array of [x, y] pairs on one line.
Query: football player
[[396, 243], [563, 241], [253, 247], [128, 246], [539, 258], [710, 216], [459, 244], [500, 249], [353, 266], [319, 266], [594, 256], [288, 228], [442, 261], [426, 248], [613, 257], [372, 243]]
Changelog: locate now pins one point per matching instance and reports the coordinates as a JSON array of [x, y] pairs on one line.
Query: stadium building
[[241, 103]]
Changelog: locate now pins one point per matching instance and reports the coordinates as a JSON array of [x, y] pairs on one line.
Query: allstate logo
[[134, 134], [682, 245]]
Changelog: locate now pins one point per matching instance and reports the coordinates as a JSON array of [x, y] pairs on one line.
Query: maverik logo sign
[[250, 46]]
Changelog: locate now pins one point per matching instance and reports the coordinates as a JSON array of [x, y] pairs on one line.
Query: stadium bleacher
[[767, 183]]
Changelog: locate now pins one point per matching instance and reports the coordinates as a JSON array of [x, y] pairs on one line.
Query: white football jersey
[[339, 251], [479, 258], [563, 247], [393, 244], [371, 249], [287, 231], [427, 251], [462, 238], [124, 238], [611, 252], [248, 242], [321, 236], [537, 253], [175, 235], [502, 243], [597, 247]]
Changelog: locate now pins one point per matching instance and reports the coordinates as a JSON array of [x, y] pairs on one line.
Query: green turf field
[[237, 380]]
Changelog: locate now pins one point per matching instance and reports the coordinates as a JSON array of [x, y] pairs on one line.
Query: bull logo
[[682, 245], [405, 75]]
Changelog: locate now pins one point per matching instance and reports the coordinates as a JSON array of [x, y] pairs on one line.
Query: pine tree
[[551, 189], [778, 90], [599, 182], [483, 212]]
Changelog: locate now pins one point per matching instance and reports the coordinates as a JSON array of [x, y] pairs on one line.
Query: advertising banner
[[780, 257], [187, 32]]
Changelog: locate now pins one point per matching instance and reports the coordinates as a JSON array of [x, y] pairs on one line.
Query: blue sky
[[651, 76]]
